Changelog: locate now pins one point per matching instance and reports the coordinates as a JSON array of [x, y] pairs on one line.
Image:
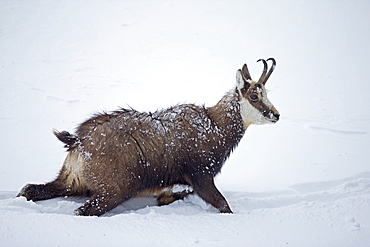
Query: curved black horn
[[271, 69], [262, 78]]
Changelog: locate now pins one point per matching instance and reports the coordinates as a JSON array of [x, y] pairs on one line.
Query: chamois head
[[255, 107]]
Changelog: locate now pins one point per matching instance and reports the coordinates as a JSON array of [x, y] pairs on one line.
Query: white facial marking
[[265, 100], [250, 114]]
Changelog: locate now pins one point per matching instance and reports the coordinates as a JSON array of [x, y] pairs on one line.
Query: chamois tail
[[67, 138]]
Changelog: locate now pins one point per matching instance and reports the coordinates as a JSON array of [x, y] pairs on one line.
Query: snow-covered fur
[[123, 154]]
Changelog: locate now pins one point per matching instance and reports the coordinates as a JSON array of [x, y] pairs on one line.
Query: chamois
[[125, 153]]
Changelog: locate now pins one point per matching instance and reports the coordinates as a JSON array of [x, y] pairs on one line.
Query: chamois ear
[[241, 80], [245, 73]]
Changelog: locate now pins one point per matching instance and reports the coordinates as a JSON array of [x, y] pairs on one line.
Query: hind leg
[[168, 196], [100, 203], [37, 192], [68, 183]]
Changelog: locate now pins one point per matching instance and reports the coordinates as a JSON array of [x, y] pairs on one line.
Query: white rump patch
[[74, 165]]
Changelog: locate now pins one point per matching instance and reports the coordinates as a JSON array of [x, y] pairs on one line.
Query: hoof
[[27, 191]]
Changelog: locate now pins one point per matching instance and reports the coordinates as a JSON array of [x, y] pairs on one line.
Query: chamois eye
[[253, 97]]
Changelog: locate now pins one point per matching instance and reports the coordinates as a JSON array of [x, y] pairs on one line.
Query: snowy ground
[[304, 181]]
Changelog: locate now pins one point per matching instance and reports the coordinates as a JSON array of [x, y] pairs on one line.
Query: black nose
[[277, 116]]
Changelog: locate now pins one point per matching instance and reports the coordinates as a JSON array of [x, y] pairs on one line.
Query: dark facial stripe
[[261, 107], [266, 111]]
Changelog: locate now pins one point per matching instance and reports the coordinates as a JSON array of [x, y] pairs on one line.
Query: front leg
[[205, 187]]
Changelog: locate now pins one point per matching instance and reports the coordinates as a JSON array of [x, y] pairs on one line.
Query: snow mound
[[274, 218]]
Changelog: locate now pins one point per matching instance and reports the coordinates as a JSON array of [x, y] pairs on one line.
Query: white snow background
[[304, 181]]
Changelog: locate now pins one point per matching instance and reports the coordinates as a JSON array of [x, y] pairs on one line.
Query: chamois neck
[[226, 114]]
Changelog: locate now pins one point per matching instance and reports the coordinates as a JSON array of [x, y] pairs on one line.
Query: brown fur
[[116, 156]]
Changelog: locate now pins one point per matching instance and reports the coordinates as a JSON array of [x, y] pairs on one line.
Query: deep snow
[[304, 181]]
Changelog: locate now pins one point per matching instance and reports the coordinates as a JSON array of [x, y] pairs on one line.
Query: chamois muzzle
[[277, 116]]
